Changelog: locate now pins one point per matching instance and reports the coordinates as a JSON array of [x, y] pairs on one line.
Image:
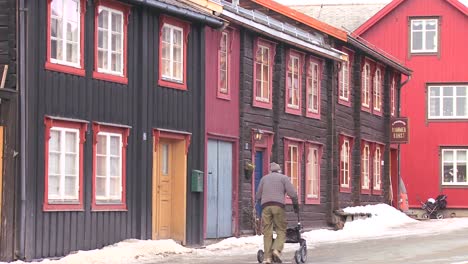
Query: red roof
[[395, 3], [304, 19]]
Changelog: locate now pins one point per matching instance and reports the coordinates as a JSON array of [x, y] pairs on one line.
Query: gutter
[[21, 86], [179, 11]]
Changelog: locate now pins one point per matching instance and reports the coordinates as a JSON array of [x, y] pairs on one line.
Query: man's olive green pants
[[273, 217]]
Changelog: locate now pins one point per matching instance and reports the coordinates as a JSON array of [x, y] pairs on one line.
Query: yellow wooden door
[[164, 190]]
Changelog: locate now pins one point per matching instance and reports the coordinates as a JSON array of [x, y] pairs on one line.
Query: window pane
[[461, 173], [102, 39], [115, 166], [461, 106], [434, 107], [115, 145], [54, 163], [431, 40], [71, 187], [165, 159], [72, 10], [103, 19], [461, 90], [117, 42], [178, 54], [461, 156], [431, 24], [70, 164], [177, 38], [117, 22], [114, 187], [100, 186], [102, 59], [417, 41], [178, 71], [70, 141], [116, 65], [417, 25], [101, 166], [448, 155], [447, 91], [57, 8], [448, 173], [448, 107], [54, 141], [434, 91], [53, 186], [102, 144]]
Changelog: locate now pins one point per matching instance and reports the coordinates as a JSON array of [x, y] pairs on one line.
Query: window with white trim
[[454, 166], [448, 101], [313, 172], [365, 169], [262, 67], [345, 160], [344, 81], [366, 73], [313, 88], [172, 57], [377, 180], [63, 165], [109, 168], [392, 97], [377, 90], [224, 63], [293, 81], [65, 32], [424, 35], [110, 53], [292, 165]]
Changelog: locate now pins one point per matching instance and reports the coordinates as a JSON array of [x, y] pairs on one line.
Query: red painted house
[[430, 37]]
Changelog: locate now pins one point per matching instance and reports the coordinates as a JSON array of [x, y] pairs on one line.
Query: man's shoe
[[277, 256], [267, 261]]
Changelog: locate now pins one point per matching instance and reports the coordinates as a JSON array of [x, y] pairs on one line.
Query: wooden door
[[258, 177], [219, 189], [164, 189]]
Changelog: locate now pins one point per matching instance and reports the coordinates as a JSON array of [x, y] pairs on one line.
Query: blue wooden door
[[258, 177], [219, 190]]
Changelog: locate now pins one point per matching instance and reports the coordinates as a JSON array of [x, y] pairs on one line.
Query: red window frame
[[163, 20], [290, 109], [227, 94], [125, 9], [366, 61], [319, 148], [369, 169], [82, 127], [341, 100], [350, 140], [300, 147], [124, 132], [375, 111], [319, 64], [52, 66], [381, 147], [272, 47]]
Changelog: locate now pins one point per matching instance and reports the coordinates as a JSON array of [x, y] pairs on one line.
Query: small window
[[365, 168], [111, 42], [224, 65], [173, 53], [454, 166], [424, 35], [377, 166], [345, 163], [263, 69], [377, 92], [65, 36], [448, 101], [313, 156], [64, 165], [393, 97], [293, 83], [109, 167], [366, 77], [344, 81], [293, 162], [313, 88]]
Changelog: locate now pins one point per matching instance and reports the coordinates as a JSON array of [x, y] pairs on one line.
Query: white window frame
[[345, 158], [313, 88], [62, 196], [293, 73], [378, 90], [455, 163], [104, 199], [424, 31], [171, 77], [344, 81], [290, 163], [262, 97], [366, 167], [109, 33], [225, 53], [377, 168], [313, 172], [366, 85], [441, 98], [64, 40]]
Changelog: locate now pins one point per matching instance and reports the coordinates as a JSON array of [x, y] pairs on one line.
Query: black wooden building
[[113, 124]]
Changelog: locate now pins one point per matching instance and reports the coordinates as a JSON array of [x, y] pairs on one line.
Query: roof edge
[[458, 5], [375, 18], [303, 18]]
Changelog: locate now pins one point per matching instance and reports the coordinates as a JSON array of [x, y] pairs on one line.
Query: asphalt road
[[431, 248]]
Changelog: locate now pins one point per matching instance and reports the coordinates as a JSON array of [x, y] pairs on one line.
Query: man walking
[[271, 192]]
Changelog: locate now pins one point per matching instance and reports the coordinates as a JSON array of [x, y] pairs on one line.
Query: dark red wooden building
[[430, 37]]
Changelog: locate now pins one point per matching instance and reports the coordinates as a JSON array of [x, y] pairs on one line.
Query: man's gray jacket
[[272, 189]]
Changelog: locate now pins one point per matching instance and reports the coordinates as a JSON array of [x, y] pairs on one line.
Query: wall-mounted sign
[[399, 133]]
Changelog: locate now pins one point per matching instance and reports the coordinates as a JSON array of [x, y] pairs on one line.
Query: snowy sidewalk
[[386, 221]]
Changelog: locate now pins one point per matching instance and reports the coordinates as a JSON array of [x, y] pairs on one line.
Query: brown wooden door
[[164, 189]]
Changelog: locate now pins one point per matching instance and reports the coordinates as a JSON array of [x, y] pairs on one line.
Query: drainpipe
[[174, 10], [21, 86], [399, 154]]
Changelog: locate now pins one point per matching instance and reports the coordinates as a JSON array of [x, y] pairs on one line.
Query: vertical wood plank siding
[[141, 104]]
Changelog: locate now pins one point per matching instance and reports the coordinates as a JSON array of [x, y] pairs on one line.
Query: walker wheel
[[297, 256], [440, 216], [303, 253], [260, 256], [425, 216]]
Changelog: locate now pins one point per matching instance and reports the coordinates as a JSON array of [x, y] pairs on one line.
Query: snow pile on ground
[[386, 221]]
